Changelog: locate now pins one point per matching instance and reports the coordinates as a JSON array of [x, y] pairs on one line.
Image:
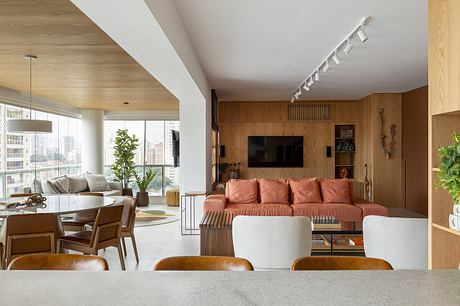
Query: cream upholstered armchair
[[403, 242], [271, 242]]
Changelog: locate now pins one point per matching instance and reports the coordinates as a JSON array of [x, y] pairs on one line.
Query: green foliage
[[124, 166], [144, 182], [449, 169]]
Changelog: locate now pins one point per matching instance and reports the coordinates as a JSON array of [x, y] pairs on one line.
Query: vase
[[456, 209], [142, 198]]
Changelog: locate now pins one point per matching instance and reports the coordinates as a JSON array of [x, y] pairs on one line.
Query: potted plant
[[449, 176], [143, 183], [124, 166]]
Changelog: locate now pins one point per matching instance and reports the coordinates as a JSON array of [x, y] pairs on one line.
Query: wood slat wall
[[238, 120]]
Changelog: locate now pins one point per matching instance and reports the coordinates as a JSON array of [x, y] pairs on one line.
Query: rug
[[154, 217]]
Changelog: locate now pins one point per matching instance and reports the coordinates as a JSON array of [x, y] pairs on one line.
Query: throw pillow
[[335, 191], [77, 184], [305, 191], [97, 182], [47, 187], [274, 192], [242, 191], [60, 184]]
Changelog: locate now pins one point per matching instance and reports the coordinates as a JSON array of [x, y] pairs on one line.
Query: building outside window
[[155, 151], [26, 156]]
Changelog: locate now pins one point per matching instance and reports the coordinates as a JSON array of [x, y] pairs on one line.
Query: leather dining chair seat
[[208, 263], [59, 262], [340, 263]]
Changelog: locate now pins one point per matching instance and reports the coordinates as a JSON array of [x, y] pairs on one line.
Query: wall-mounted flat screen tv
[[275, 151]]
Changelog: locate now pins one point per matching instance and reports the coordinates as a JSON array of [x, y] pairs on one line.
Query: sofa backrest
[[245, 189]]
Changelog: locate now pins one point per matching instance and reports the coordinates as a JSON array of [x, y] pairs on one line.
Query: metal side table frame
[[188, 205]]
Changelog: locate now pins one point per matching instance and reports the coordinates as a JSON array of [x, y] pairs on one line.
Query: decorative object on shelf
[[345, 46], [220, 187], [234, 171], [345, 145], [347, 133], [449, 176], [143, 183], [30, 126], [124, 167], [34, 201], [343, 173], [388, 153]]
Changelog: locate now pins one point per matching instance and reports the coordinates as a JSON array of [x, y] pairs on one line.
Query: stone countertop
[[230, 288]]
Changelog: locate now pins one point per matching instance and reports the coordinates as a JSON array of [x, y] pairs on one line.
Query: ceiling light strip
[[345, 46]]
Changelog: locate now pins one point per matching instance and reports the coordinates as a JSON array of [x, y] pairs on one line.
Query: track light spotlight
[[336, 58], [362, 35], [348, 47], [345, 46], [326, 66]]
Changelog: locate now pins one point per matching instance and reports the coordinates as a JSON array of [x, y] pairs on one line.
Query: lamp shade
[[29, 126]]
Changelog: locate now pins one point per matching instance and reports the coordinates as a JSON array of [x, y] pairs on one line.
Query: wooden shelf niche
[[345, 150], [445, 242]]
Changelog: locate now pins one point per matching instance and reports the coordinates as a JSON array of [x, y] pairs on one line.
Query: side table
[[188, 212]]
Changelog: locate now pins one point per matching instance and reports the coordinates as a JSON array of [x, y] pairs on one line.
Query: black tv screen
[[275, 151]]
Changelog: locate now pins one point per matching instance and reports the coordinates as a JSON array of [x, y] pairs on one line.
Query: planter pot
[[127, 192], [142, 198]]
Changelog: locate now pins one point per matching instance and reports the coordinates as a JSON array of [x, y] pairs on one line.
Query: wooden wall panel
[[238, 120], [443, 51]]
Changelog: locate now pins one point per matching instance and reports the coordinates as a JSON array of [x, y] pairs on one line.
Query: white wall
[[152, 32], [92, 141]]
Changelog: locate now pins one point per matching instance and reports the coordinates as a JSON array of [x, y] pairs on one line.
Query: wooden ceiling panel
[[78, 63]]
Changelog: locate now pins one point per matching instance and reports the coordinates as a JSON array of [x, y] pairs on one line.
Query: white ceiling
[[262, 50]]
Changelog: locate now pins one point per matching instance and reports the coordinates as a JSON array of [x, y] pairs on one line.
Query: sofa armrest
[[215, 202], [369, 208], [115, 185]]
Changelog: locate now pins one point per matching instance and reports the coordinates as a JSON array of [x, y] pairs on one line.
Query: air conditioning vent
[[309, 112]]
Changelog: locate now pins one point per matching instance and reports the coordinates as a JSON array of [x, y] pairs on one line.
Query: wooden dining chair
[[80, 219], [21, 195], [127, 223], [59, 262], [28, 234], [208, 263], [106, 232], [339, 263]]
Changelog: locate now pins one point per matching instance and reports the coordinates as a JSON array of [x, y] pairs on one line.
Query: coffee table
[[216, 236], [346, 229]]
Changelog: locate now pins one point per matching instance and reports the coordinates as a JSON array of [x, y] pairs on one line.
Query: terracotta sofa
[[299, 197]]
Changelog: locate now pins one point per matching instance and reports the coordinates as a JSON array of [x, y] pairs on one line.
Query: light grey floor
[[156, 242]]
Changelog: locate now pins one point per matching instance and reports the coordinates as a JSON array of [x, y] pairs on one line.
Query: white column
[[195, 149], [92, 149]]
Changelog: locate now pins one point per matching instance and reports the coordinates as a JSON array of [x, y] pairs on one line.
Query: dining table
[[399, 287], [60, 204]]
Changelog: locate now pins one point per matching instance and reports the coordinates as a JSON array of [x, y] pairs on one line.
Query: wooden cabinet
[[444, 120]]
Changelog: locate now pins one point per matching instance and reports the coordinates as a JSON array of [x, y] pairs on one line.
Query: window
[[155, 151], [26, 156]]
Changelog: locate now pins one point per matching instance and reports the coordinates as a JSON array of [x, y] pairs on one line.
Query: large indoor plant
[[143, 183], [449, 172], [124, 166]]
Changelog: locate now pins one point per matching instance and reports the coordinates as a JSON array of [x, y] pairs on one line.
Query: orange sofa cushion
[[335, 191], [259, 209], [305, 191], [274, 192], [343, 212], [242, 191]]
